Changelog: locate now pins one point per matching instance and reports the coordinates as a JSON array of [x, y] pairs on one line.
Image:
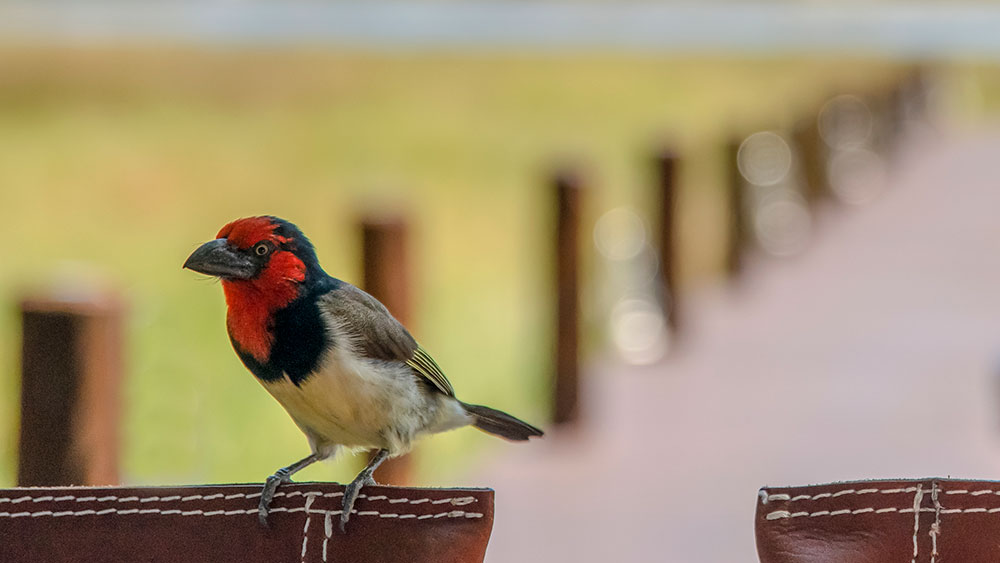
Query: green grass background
[[116, 163]]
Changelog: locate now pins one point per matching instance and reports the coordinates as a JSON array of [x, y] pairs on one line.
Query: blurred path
[[875, 354]]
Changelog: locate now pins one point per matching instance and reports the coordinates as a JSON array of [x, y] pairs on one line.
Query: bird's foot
[[267, 494], [351, 492]]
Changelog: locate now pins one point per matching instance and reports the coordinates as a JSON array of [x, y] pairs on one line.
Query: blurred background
[[754, 243]]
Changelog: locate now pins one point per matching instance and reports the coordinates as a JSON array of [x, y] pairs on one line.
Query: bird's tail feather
[[500, 423]]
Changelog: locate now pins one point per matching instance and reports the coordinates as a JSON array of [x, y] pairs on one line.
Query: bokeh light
[[846, 121], [783, 223], [620, 234], [764, 158], [639, 331], [857, 175], [636, 326]]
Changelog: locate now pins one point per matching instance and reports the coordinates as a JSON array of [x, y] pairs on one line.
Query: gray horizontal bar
[[882, 28]]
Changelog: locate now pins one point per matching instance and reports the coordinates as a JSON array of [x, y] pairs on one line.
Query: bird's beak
[[217, 258]]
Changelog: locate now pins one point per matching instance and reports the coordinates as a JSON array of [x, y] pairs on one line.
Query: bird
[[347, 372]]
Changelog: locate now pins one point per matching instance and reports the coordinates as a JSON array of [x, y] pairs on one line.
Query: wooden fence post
[[904, 104], [568, 192], [666, 172], [387, 277], [71, 372], [737, 210], [811, 152]]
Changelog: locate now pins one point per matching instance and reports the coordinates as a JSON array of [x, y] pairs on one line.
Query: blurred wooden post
[[811, 152], [915, 93], [666, 172], [737, 210], [71, 372], [568, 209], [387, 277], [905, 104]]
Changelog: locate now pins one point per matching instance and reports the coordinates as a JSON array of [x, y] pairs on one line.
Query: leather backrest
[[217, 523], [928, 520]]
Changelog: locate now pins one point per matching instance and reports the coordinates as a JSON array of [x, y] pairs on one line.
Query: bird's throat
[[251, 309]]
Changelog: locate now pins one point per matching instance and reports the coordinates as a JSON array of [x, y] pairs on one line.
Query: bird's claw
[[351, 493], [267, 495], [343, 522]]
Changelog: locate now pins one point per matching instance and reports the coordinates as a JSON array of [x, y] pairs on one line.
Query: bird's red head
[[264, 264]]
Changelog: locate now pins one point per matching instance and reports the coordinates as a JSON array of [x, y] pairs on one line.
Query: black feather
[[500, 423], [300, 336]]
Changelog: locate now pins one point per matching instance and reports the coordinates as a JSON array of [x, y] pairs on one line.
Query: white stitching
[[450, 514], [456, 501], [819, 496], [327, 531], [142, 499], [936, 526], [782, 514], [305, 528], [309, 495], [917, 498], [972, 493]]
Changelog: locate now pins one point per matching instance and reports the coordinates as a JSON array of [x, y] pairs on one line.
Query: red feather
[[252, 303], [248, 231]]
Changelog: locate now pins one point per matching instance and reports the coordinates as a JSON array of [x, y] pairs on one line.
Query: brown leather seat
[[930, 520], [218, 523]]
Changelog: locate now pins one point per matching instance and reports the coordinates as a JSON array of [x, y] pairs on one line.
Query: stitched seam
[[449, 514], [327, 531], [936, 527], [305, 528], [975, 493], [819, 496], [123, 512], [782, 514], [917, 498], [842, 492], [455, 501], [110, 498]]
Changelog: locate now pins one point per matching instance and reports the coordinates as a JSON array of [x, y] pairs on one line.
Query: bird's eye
[[261, 249]]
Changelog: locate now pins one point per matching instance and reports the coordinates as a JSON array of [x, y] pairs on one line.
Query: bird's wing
[[378, 335], [424, 364]]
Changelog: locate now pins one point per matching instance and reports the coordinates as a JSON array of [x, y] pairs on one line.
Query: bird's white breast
[[357, 402], [352, 402]]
